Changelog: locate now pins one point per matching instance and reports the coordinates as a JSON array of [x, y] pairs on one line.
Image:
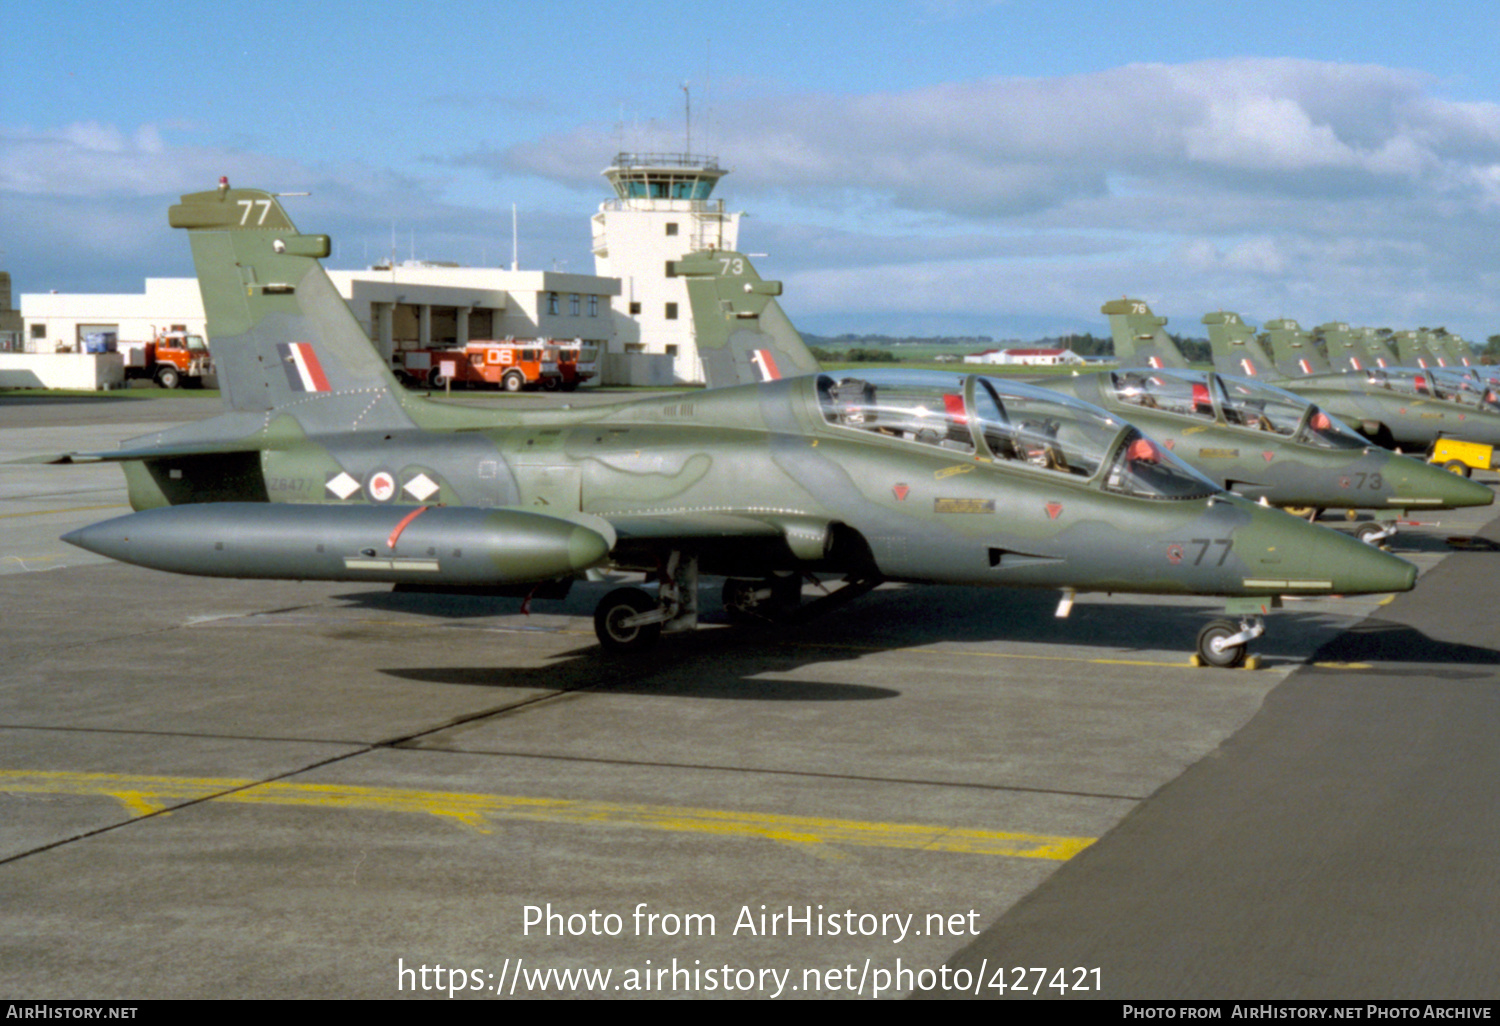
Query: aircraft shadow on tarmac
[[728, 664], [1384, 641], [1412, 542]]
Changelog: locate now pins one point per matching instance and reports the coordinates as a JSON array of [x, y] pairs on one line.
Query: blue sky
[[998, 168]]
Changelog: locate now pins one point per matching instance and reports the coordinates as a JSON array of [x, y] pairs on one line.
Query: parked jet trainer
[[1258, 440], [1393, 412], [1264, 443], [323, 468]]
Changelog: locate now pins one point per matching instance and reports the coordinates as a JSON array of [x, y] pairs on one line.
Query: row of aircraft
[[1407, 408], [322, 467]]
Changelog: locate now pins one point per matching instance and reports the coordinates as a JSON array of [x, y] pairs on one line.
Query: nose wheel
[[1223, 643]]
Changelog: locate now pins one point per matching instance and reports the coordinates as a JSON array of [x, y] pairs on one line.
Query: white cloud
[[93, 160], [1311, 189], [997, 147]]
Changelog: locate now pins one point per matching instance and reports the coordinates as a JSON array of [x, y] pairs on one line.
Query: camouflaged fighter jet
[[1267, 444], [1395, 409], [323, 468], [1259, 441]]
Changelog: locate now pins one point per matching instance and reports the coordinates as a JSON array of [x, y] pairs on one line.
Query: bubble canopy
[[1236, 401], [1450, 384], [1010, 424]]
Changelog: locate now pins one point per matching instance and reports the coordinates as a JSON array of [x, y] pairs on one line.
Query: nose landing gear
[[1223, 643]]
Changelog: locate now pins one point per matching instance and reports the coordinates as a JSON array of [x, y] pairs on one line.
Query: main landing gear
[[768, 599], [633, 620]]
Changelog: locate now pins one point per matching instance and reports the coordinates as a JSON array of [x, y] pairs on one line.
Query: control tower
[[661, 211]]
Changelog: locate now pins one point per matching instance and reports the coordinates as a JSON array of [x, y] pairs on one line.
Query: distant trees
[[855, 355]]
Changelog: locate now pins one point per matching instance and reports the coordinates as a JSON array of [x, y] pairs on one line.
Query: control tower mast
[[661, 211]]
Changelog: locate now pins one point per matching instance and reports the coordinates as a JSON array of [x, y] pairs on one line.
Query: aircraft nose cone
[[1424, 482], [1311, 559], [1460, 491], [1361, 569]]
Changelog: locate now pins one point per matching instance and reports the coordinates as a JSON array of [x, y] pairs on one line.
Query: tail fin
[[1345, 347], [743, 336], [282, 337], [1140, 340], [1410, 351], [1460, 353], [1237, 349], [1377, 353], [1295, 351]]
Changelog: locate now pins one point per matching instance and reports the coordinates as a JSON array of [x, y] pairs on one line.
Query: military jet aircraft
[[1263, 443], [1395, 410], [1259, 441], [323, 468]]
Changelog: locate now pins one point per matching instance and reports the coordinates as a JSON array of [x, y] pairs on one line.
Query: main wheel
[[1369, 532], [1309, 513], [618, 606], [1458, 467], [513, 382], [745, 600], [168, 377], [1226, 658]]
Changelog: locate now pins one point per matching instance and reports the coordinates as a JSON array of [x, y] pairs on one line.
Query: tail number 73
[[1203, 554]]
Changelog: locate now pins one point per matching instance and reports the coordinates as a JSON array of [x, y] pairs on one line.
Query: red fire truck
[[510, 364], [576, 362]]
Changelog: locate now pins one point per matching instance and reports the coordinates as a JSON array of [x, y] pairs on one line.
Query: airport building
[[1029, 357], [404, 306], [633, 309], [11, 334], [662, 210]]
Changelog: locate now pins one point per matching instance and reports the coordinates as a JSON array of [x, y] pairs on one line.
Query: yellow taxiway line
[[70, 509], [145, 795]]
